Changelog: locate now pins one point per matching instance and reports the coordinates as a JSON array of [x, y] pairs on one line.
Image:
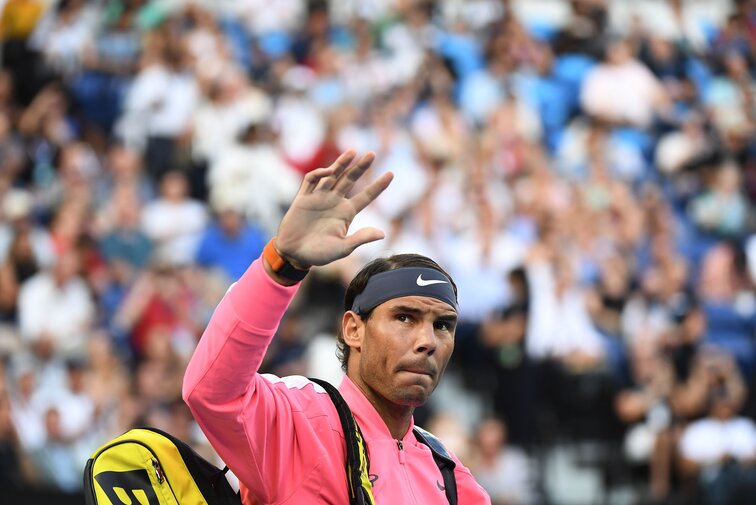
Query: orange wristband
[[279, 265]]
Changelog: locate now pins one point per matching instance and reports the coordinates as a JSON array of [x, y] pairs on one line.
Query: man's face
[[401, 351]]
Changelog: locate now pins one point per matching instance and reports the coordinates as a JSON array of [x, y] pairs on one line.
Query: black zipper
[[154, 456]]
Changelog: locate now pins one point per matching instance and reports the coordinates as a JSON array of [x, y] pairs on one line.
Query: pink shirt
[[282, 436]]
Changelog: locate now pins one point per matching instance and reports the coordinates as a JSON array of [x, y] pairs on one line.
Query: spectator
[[108, 60], [721, 208], [514, 382], [19, 18], [19, 265], [711, 370], [228, 105], [229, 242], [106, 380], [54, 461], [159, 105], [11, 147], [254, 177], [503, 471], [300, 124], [606, 302], [718, 452], [26, 404], [644, 97], [585, 31], [125, 241], [55, 309], [679, 149], [728, 302], [160, 305], [174, 221], [646, 406], [559, 324], [14, 467], [62, 34], [729, 100], [685, 339]]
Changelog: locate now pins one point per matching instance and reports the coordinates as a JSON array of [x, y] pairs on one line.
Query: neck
[[396, 417]]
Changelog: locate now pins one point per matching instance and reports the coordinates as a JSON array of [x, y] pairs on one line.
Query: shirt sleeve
[[263, 428]]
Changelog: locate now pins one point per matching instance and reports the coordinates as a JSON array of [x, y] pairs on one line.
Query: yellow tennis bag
[[146, 466]]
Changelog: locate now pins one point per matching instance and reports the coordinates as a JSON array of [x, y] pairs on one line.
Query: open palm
[[314, 229]]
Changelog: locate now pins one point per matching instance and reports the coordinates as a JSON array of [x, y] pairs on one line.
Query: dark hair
[[359, 283]]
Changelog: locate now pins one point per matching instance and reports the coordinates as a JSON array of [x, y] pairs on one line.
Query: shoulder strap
[[443, 460], [357, 461]]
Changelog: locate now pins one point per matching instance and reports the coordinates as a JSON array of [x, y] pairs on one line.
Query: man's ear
[[352, 329]]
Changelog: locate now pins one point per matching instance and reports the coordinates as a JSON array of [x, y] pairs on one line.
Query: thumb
[[363, 236]]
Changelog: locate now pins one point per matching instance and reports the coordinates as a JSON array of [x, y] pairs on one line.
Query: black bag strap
[[89, 492], [357, 461], [443, 460], [358, 467]]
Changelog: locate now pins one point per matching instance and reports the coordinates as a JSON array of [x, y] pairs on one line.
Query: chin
[[412, 396]]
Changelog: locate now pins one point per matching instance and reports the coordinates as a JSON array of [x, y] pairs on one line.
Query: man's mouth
[[420, 371]]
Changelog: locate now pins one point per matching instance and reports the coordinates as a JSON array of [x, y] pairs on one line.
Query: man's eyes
[[438, 325]]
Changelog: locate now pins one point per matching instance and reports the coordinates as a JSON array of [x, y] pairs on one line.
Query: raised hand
[[314, 229]]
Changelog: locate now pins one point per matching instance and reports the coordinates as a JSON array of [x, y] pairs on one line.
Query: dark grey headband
[[407, 281]]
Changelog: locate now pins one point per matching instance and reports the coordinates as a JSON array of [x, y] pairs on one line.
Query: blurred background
[[585, 170]]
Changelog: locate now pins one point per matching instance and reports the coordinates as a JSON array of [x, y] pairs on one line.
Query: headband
[[407, 281]]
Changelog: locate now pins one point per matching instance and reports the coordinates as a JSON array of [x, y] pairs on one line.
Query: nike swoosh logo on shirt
[[423, 282], [438, 485]]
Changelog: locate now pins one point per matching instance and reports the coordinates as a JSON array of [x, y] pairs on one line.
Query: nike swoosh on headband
[[405, 281], [422, 282]]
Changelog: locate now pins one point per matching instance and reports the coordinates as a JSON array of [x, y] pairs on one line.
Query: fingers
[[363, 236], [340, 177], [327, 175], [370, 193], [347, 180], [313, 177], [338, 167]]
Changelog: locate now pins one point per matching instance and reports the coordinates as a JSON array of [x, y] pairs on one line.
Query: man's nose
[[425, 341]]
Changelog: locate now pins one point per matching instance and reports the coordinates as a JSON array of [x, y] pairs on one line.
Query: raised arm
[[251, 421]]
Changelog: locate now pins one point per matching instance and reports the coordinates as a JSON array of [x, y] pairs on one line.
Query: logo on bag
[[134, 486]]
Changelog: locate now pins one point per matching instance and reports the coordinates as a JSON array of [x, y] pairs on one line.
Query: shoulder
[[304, 396], [298, 382]]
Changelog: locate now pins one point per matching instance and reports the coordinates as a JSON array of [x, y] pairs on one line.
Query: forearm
[[236, 339], [219, 384]]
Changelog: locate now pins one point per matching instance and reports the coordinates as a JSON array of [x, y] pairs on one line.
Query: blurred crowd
[[584, 169]]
